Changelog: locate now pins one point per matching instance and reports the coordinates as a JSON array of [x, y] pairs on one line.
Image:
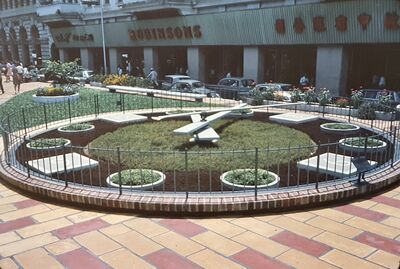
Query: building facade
[[338, 44]]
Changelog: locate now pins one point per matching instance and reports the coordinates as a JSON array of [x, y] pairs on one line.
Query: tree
[[61, 73]]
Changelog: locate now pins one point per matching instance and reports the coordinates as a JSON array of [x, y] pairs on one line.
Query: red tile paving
[[165, 259], [380, 242], [80, 259], [26, 203], [80, 228], [387, 200], [362, 212], [15, 224], [183, 227], [255, 260], [301, 243]]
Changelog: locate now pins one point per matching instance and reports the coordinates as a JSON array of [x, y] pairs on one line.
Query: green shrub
[[247, 177], [61, 73], [324, 97], [356, 98], [367, 111], [136, 177], [257, 97], [360, 142], [342, 102], [269, 94], [48, 142], [295, 96], [64, 90], [76, 127], [310, 96]]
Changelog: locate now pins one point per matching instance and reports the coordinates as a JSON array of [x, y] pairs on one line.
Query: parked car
[[282, 89], [235, 87], [192, 86], [373, 95], [171, 79], [83, 76]]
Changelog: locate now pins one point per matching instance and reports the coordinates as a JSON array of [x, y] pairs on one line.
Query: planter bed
[[139, 178], [55, 99], [266, 179], [76, 128], [340, 128], [241, 115], [48, 144], [357, 144]]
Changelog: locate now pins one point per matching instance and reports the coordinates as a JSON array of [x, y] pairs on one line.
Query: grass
[[136, 177], [77, 127], [152, 145], [247, 177], [48, 142], [340, 126], [35, 114], [360, 142]]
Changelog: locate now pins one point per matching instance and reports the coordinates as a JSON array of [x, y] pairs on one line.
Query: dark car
[[235, 87], [373, 95]]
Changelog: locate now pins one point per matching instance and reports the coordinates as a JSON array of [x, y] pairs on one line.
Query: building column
[[150, 56], [63, 55], [87, 58], [253, 63], [114, 60], [332, 69], [196, 63]]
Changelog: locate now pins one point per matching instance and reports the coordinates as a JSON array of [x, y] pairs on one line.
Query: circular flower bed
[[48, 143], [48, 95], [179, 111], [357, 144], [76, 128], [340, 128], [244, 179], [241, 114], [137, 179]]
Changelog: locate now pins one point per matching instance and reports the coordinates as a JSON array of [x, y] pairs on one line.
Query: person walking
[[1, 83], [16, 79], [382, 82], [153, 76], [8, 72]]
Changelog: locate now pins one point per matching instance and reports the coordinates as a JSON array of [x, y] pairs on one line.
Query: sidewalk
[[361, 235]]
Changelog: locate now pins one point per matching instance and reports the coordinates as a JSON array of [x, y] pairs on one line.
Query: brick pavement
[[362, 234]]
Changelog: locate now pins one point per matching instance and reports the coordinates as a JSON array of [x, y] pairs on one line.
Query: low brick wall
[[153, 203]]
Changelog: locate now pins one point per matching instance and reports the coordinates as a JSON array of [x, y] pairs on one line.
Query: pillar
[[196, 63], [63, 55], [253, 63], [87, 58], [150, 56], [332, 69], [114, 60]]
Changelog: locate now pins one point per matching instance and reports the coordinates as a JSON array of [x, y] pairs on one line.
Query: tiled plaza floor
[[362, 234]]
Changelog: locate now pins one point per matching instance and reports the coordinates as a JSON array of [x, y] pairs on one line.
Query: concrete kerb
[[281, 199]]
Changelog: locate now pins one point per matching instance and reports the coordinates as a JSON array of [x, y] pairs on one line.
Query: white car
[[83, 76], [171, 79], [283, 89], [192, 86]]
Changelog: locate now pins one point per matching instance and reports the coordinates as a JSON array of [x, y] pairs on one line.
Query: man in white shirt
[[153, 76]]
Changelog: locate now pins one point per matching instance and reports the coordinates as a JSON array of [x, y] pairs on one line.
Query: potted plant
[[245, 179], [48, 143], [362, 144], [137, 179], [76, 128], [340, 128]]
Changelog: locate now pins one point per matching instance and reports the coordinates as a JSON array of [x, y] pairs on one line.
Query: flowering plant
[[356, 98]]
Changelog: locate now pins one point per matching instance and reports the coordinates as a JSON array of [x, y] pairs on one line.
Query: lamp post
[[100, 3]]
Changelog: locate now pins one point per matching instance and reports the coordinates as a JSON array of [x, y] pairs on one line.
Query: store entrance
[[172, 61], [367, 63], [223, 60], [286, 64]]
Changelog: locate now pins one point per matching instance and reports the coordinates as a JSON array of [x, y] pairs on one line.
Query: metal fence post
[[394, 145], [69, 110], [119, 171], [9, 124], [349, 116], [24, 120], [26, 161], [186, 173], [256, 176], [316, 182], [65, 166], [45, 114]]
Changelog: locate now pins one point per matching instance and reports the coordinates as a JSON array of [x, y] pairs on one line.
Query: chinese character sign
[[280, 26], [319, 24], [298, 25], [341, 23], [364, 20], [391, 21]]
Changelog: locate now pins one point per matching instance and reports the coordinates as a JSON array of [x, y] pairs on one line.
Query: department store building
[[338, 44]]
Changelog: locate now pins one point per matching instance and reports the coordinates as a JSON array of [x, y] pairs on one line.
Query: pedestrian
[[153, 76], [228, 75], [382, 82], [8, 72], [119, 70], [16, 79], [304, 82], [1, 83]]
